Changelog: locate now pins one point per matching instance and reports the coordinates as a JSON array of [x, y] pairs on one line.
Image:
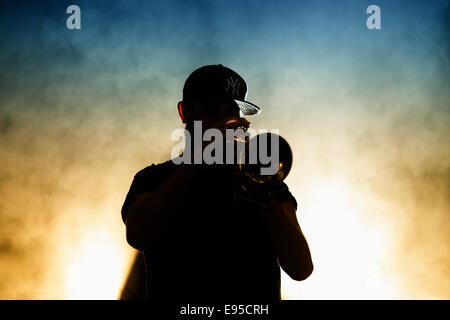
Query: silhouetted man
[[198, 242]]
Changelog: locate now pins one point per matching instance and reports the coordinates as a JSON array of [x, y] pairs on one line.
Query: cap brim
[[247, 108]]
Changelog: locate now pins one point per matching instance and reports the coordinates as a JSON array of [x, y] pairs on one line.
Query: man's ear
[[183, 111]]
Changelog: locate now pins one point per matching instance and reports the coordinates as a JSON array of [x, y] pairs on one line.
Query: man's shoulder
[[154, 170], [146, 180]]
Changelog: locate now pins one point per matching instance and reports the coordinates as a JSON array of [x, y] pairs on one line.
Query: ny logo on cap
[[233, 84]]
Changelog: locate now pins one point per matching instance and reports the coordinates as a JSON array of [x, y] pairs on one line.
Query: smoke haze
[[367, 115]]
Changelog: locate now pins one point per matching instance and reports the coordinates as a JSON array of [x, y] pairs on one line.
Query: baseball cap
[[217, 81]]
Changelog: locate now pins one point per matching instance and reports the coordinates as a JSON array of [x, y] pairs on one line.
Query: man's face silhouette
[[211, 111]]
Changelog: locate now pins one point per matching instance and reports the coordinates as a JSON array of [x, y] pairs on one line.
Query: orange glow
[[348, 255], [96, 269]]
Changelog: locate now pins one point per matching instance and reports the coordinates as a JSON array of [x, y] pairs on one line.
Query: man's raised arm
[[289, 242], [148, 214]]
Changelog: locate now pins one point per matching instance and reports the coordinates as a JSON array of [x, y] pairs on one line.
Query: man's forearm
[[289, 242]]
